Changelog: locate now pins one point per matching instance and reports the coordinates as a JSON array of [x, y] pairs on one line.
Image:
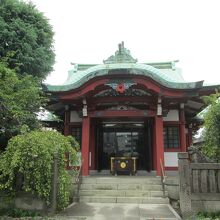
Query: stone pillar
[[159, 145], [85, 145], [185, 190], [182, 128]]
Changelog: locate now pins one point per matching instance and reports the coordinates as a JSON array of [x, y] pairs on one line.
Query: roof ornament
[[75, 66], [122, 55]]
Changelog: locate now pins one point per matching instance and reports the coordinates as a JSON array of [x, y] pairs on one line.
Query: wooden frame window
[[76, 132], [171, 137]]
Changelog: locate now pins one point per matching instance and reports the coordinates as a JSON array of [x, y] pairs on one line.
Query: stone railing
[[199, 186]]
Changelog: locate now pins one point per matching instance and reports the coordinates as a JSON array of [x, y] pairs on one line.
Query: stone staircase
[[122, 189]]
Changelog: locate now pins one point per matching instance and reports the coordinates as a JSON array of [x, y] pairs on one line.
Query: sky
[[89, 31]]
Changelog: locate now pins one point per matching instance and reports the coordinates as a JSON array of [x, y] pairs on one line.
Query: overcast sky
[[88, 31]]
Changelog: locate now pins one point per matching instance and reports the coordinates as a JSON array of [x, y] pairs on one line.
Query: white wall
[[74, 117], [171, 159], [173, 115]]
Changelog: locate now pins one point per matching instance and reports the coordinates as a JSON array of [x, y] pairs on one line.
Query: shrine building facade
[[126, 108]]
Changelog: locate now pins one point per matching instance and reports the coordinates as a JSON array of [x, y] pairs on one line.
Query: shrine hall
[[125, 109]]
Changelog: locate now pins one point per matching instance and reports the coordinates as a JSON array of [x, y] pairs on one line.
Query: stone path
[[117, 211]]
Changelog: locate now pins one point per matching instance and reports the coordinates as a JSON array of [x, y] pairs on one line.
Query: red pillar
[[182, 130], [159, 145], [154, 147], [85, 145], [66, 122], [92, 139], [190, 137]]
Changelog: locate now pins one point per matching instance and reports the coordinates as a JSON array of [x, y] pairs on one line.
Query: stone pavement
[[117, 211]]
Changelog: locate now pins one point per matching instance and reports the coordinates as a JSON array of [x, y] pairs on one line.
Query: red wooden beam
[[85, 145], [99, 84], [66, 122], [131, 99], [153, 86], [182, 130], [122, 113], [159, 144], [82, 91]]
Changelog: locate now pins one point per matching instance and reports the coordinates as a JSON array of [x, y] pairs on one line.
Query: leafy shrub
[[209, 215], [211, 147], [17, 213], [205, 216], [31, 156]]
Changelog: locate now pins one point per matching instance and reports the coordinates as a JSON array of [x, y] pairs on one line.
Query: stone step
[[121, 180], [118, 211], [123, 193], [134, 200], [120, 186]]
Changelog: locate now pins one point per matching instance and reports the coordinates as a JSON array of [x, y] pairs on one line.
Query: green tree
[[31, 156], [20, 100], [26, 39], [211, 146]]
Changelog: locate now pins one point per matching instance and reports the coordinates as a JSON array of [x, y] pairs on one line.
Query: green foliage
[[26, 39], [20, 100], [31, 156], [212, 127], [209, 215], [205, 216], [26, 58], [17, 213]]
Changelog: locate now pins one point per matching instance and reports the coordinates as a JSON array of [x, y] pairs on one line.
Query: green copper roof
[[76, 79], [159, 65], [122, 60]]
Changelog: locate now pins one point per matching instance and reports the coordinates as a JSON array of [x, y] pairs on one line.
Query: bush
[[30, 157], [205, 216], [211, 147], [17, 213]]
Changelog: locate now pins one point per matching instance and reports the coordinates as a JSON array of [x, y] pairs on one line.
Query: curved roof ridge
[[78, 78], [156, 71]]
